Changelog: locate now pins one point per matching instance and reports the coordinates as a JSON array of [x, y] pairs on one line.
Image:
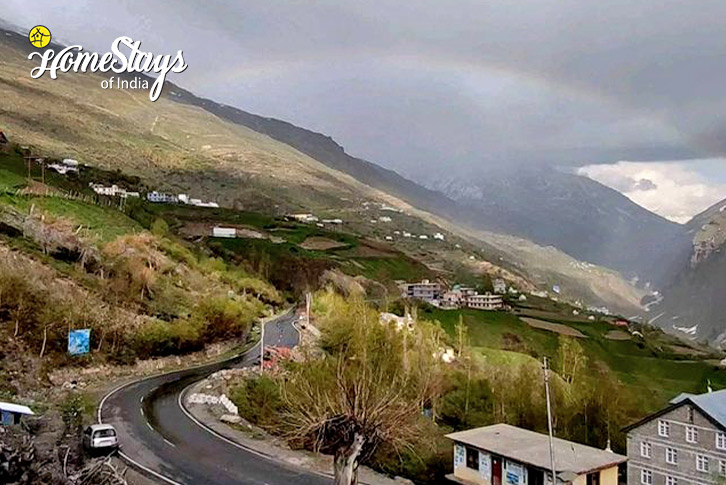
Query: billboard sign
[[79, 342]]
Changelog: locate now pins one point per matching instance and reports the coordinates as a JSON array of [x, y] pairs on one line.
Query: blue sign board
[[6, 418], [79, 342]]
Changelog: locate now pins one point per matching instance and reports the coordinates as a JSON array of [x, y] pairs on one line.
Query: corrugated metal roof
[[711, 403], [532, 448], [15, 408]]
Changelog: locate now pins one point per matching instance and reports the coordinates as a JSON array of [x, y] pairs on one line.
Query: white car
[[101, 437]]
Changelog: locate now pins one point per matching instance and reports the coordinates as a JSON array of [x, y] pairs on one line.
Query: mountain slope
[[693, 302], [180, 147], [583, 218]]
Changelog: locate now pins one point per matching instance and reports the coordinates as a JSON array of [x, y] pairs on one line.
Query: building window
[[472, 458], [664, 429], [722, 468], [670, 481], [646, 477], [691, 434], [671, 455], [593, 478], [690, 415], [645, 449], [721, 441], [702, 463]]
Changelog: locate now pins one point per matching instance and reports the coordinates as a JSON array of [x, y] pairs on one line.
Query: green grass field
[[10, 180], [102, 223], [654, 376]]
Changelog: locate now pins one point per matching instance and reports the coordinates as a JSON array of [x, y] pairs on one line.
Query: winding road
[[159, 437]]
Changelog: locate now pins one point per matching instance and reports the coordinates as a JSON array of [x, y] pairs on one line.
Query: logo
[[39, 36], [125, 57]]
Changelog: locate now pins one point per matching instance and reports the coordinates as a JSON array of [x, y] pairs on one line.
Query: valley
[[173, 231], [176, 146]]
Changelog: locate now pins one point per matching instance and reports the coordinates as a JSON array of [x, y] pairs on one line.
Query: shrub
[[221, 318], [159, 338], [159, 227], [259, 401]]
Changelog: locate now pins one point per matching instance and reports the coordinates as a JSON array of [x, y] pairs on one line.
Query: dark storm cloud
[[645, 185], [460, 83]]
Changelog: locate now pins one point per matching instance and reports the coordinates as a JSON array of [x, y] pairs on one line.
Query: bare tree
[[371, 387]]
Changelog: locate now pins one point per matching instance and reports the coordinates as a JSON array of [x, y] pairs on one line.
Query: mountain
[[580, 216], [693, 302], [575, 214], [184, 143]]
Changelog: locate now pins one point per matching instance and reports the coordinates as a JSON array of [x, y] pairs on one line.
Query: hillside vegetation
[[602, 380], [67, 264], [180, 147]]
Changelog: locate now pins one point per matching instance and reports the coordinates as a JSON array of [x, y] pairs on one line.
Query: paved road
[[156, 433]]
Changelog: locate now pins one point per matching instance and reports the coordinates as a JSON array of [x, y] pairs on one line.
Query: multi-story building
[[500, 286], [425, 290], [487, 301], [682, 444], [456, 298]]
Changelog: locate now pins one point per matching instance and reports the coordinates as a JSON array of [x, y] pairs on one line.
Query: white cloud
[[677, 190]]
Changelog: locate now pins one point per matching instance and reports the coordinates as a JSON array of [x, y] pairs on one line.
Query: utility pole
[[262, 347], [549, 419]]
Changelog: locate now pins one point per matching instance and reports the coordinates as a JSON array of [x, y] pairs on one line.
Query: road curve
[[158, 436]]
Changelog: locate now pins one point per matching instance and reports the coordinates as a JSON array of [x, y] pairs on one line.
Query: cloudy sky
[[676, 190], [465, 83]]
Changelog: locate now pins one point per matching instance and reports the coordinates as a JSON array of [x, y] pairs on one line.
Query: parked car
[[100, 437]]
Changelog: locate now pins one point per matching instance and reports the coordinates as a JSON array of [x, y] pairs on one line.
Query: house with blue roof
[[682, 444]]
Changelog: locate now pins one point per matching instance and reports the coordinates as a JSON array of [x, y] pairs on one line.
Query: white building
[[423, 236], [503, 454], [112, 191], [66, 166], [384, 219], [206, 204], [228, 232], [500, 286], [304, 217], [185, 199], [104, 190], [333, 221], [62, 169], [162, 198], [439, 236]]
